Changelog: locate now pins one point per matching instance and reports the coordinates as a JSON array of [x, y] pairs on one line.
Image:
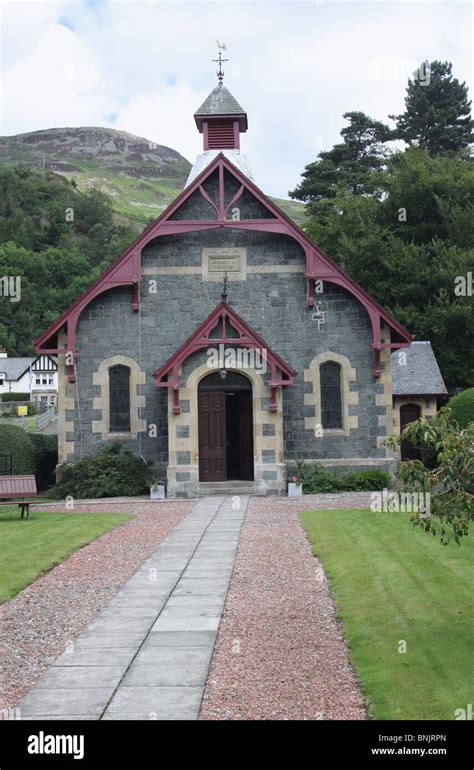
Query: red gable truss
[[126, 270], [220, 318]]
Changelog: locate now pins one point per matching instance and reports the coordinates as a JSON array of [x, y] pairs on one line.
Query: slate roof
[[13, 368], [420, 375], [220, 102]]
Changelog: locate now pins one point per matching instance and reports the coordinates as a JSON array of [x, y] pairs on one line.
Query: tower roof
[[220, 104]]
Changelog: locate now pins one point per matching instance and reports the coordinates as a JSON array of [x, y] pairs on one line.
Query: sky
[[145, 66]]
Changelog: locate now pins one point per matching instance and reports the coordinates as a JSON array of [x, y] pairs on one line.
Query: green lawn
[[28, 548], [392, 582]]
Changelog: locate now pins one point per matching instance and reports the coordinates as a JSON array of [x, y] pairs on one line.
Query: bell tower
[[221, 119]]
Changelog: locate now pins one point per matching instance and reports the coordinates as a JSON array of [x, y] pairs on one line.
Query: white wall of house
[[21, 385]]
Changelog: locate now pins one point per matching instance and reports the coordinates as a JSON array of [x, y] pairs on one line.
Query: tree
[[450, 485], [462, 407], [437, 111], [56, 257], [408, 246], [348, 165]]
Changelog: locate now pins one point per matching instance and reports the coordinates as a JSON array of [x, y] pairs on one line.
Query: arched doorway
[[409, 413], [225, 423]]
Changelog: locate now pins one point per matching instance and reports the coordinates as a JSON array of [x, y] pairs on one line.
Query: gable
[[229, 199]]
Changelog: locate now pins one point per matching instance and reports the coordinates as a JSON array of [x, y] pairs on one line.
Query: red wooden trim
[[126, 269], [221, 214], [136, 296], [205, 132], [236, 135], [208, 198], [234, 200], [201, 338], [176, 407]]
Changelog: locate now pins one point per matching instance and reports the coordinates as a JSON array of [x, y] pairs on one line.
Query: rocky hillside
[[140, 177]]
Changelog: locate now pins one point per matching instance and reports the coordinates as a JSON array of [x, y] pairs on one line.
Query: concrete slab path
[[147, 654]]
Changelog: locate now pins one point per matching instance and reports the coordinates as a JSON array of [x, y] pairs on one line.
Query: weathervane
[[224, 289], [220, 72]]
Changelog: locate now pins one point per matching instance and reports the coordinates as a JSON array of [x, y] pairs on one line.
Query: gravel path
[[38, 623], [280, 653]]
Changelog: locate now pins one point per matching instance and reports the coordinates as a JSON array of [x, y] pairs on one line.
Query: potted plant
[[157, 489], [295, 486]]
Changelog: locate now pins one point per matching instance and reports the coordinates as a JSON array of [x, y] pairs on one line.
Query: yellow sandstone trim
[[190, 444], [349, 397], [101, 402], [65, 402]]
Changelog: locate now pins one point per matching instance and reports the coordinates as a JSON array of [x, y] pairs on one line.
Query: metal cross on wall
[[224, 288]]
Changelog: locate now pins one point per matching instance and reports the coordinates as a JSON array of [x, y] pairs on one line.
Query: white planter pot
[[294, 490], [157, 494]]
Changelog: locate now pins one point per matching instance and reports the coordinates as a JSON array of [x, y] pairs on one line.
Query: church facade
[[224, 345]]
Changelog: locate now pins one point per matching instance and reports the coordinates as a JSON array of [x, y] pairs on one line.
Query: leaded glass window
[[331, 401], [119, 399]]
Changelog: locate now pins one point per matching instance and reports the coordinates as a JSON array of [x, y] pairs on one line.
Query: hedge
[[46, 458], [462, 407], [7, 397], [318, 479], [16, 441], [32, 453]]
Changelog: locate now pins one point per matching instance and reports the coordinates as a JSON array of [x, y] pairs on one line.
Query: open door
[[225, 428], [409, 413]]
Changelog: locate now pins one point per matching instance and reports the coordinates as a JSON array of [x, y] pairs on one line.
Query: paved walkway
[[147, 654]]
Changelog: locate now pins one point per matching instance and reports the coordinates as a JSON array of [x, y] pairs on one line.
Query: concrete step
[[228, 488]]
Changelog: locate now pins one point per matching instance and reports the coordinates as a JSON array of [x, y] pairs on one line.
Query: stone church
[[224, 344]]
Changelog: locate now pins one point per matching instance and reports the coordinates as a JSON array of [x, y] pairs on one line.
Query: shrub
[[7, 397], [32, 410], [112, 472], [318, 479], [367, 481], [15, 440], [462, 407], [451, 484], [46, 458]]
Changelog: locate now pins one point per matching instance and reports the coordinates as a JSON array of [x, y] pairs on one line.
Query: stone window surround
[[101, 402], [261, 415], [348, 396]]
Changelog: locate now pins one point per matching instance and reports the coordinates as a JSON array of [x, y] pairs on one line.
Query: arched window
[[331, 400], [119, 399]]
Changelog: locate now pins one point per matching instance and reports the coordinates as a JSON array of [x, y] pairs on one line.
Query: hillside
[[140, 177]]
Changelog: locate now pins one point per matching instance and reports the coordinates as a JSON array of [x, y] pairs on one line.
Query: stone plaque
[[217, 261], [222, 264]]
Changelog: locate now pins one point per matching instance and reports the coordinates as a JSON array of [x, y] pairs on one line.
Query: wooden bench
[[18, 487]]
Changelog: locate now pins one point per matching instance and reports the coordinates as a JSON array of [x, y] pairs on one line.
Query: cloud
[[145, 67], [165, 117], [57, 83]]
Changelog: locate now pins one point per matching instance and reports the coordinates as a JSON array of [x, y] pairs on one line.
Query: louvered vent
[[221, 135]]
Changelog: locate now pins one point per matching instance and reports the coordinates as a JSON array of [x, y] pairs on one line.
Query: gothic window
[[119, 399], [331, 401]]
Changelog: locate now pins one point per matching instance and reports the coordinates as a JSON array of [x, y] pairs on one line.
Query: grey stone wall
[[275, 306]]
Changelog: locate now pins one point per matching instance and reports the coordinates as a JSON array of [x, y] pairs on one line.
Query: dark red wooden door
[[409, 413], [212, 435], [246, 435]]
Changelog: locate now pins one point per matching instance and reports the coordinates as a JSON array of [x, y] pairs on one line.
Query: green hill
[[140, 177]]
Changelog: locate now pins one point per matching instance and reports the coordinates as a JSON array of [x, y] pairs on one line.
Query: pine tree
[[347, 165], [437, 111]]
